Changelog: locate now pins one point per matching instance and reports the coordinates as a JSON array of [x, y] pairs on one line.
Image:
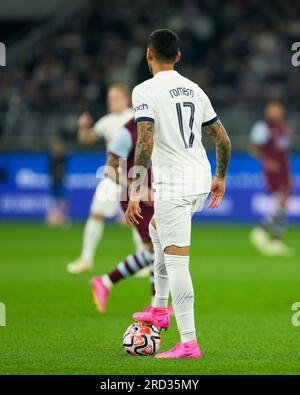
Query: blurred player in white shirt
[[170, 112], [105, 201]]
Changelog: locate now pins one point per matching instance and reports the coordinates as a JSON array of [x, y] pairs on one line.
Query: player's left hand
[[217, 192], [133, 212]]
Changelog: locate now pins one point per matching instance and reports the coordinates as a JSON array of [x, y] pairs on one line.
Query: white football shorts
[[173, 219], [106, 199]]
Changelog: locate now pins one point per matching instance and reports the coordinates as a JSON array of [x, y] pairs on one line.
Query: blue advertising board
[[24, 188]]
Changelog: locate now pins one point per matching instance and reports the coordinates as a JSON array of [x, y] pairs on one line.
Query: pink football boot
[[156, 316], [182, 350], [100, 293]]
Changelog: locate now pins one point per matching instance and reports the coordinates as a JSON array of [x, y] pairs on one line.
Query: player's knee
[[283, 199], [153, 223], [97, 217], [176, 250], [149, 247]]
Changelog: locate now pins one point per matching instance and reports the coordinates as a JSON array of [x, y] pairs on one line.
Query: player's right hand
[[273, 166], [218, 187], [85, 120], [133, 212]]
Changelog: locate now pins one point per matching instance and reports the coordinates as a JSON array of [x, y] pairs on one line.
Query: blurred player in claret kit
[[118, 169], [270, 143], [122, 147], [105, 201], [170, 111]]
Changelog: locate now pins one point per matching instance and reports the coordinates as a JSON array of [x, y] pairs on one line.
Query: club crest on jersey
[[140, 107]]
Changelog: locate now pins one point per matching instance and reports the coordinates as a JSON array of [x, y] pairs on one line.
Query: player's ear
[[178, 56], [149, 54]]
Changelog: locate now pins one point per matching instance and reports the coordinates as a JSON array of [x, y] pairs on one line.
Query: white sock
[[107, 281], [161, 282], [182, 295], [92, 234]]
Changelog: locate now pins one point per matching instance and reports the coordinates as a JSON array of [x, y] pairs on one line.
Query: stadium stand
[[66, 70]]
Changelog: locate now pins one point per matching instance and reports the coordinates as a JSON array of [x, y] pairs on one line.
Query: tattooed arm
[[142, 158], [223, 146], [223, 151], [143, 152]]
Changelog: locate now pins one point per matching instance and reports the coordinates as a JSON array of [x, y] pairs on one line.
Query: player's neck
[[119, 112], [275, 121], [157, 67]]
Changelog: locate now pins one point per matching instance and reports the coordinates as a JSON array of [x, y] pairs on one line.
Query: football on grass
[[141, 339]]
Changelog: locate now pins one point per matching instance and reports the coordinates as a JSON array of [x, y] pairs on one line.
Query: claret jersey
[[179, 109]]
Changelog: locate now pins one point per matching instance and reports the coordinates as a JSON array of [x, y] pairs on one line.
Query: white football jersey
[[179, 109], [108, 125]]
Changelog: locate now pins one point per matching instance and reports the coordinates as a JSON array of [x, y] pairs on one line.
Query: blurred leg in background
[[105, 204], [268, 238]]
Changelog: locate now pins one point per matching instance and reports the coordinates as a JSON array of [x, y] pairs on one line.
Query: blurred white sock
[[107, 281], [182, 295], [92, 234]]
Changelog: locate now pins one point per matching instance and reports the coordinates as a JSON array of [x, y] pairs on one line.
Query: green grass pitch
[[243, 306]]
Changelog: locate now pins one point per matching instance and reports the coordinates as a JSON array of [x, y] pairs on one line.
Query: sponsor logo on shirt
[[140, 107]]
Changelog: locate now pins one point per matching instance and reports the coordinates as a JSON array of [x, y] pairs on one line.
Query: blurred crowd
[[239, 51]]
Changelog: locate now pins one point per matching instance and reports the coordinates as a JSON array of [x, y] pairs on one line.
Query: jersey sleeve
[[121, 144], [100, 127], [142, 105], [209, 115], [259, 134]]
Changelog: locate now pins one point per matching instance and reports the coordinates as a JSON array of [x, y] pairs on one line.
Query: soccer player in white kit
[[170, 111], [105, 201]]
